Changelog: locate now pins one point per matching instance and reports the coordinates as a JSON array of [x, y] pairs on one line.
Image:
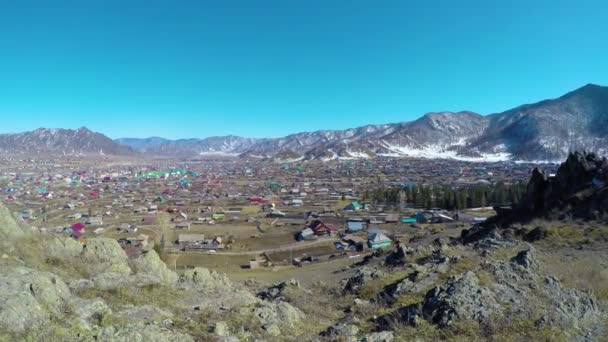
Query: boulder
[[341, 331], [281, 314], [569, 307], [415, 282], [275, 292], [399, 256], [536, 234], [150, 264], [28, 298], [461, 298], [90, 309], [61, 247], [142, 333], [383, 336], [203, 278], [361, 277], [104, 255], [525, 259], [220, 329], [9, 229]]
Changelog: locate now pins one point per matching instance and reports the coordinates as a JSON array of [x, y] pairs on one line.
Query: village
[[245, 217]]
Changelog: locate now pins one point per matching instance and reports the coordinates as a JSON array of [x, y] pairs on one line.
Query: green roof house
[[218, 216], [353, 206]]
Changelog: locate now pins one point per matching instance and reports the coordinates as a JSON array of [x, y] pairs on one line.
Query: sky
[[197, 68]]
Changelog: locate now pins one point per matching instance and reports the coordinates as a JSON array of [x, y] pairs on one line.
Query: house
[[441, 218], [183, 225], [95, 221], [218, 216], [391, 218], [257, 200], [353, 206], [422, 217], [306, 234], [75, 216], [190, 241], [408, 220], [469, 218], [378, 239], [320, 228], [353, 226], [79, 227], [275, 213], [354, 242], [181, 217]]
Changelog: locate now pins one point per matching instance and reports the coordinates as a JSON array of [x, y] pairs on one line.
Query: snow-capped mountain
[[548, 130], [544, 131], [61, 141], [231, 145]]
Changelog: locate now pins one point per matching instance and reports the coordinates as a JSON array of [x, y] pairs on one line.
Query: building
[[190, 241], [353, 206], [353, 226], [378, 240], [183, 226]]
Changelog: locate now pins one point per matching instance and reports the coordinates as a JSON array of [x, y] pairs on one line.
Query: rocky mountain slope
[[546, 130], [61, 141], [231, 145], [579, 190], [58, 289]]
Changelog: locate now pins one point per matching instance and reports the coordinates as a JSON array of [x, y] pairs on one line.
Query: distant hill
[[232, 145], [546, 130], [61, 141]]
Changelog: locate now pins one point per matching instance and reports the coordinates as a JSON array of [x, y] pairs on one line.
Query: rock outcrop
[[9, 229], [361, 277], [149, 264], [29, 298], [579, 189]]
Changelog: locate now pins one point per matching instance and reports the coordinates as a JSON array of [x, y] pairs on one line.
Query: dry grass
[[584, 272]]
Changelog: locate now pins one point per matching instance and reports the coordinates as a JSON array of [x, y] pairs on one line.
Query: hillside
[[540, 279]]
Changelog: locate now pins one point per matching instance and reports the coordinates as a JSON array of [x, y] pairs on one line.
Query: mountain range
[[61, 141], [543, 131]]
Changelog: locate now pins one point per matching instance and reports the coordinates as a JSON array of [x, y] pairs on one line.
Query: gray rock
[[461, 298], [205, 279], [384, 336], [282, 314], [341, 331], [361, 277], [221, 329], [415, 282], [91, 309], [104, 255], [151, 265], [141, 333], [569, 307], [525, 259], [9, 229], [28, 298]]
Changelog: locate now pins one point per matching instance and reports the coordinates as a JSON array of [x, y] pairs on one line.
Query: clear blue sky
[[179, 68]]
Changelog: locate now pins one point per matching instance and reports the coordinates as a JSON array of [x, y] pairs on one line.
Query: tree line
[[448, 197]]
